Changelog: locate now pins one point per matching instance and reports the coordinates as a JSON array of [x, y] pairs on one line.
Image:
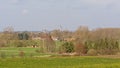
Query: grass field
[[41, 60], [14, 51], [10, 52], [60, 62]]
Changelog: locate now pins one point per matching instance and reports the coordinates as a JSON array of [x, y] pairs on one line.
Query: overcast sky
[[37, 15]]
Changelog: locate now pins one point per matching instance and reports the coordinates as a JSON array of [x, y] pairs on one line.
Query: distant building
[[55, 38], [36, 38], [69, 39]]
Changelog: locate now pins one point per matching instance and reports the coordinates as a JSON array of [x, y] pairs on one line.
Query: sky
[[37, 15]]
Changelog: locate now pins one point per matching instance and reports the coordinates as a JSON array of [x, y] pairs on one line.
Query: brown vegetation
[[103, 41]]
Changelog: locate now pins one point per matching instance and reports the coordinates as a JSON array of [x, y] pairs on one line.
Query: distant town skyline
[[37, 15]]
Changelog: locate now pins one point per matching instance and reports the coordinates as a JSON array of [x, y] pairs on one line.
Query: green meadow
[[9, 52], [60, 62], [10, 58]]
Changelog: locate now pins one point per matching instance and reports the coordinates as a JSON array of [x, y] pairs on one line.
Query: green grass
[[9, 52], [60, 62], [52, 62]]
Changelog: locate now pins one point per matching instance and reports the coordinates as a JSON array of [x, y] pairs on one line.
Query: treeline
[[81, 41]]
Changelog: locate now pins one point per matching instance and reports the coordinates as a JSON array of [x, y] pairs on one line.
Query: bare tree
[[9, 29]]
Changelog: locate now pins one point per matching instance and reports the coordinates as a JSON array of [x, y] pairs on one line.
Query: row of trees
[[82, 32], [97, 47], [82, 41]]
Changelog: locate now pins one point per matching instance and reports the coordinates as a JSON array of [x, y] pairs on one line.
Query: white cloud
[[98, 1], [17, 1], [101, 3], [25, 11]]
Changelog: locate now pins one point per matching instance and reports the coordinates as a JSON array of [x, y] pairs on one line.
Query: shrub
[[21, 54], [67, 47], [92, 52], [104, 46], [80, 49], [3, 43]]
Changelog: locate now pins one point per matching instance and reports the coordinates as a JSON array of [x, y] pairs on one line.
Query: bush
[[104, 46], [92, 52], [67, 47], [3, 43], [80, 49], [21, 54]]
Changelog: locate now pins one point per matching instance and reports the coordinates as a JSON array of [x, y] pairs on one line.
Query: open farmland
[[60, 62]]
